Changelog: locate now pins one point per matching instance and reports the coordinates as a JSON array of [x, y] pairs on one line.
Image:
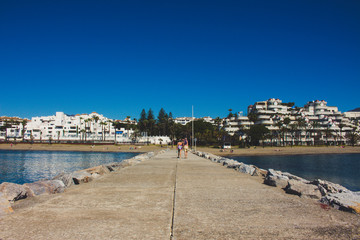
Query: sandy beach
[[258, 151], [253, 151], [80, 147]]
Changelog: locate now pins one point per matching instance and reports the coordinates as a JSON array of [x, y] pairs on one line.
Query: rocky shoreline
[[11, 192], [327, 193]]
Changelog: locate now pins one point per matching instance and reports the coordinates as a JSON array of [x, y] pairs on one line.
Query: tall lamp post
[[192, 128]]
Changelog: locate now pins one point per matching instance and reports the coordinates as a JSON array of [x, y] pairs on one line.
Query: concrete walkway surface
[[169, 198]]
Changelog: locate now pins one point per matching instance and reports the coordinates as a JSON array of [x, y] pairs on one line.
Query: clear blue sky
[[118, 57]]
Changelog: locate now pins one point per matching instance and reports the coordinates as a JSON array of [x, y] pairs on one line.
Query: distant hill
[[355, 110]]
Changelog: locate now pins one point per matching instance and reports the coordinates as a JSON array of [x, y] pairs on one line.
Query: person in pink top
[[179, 148]]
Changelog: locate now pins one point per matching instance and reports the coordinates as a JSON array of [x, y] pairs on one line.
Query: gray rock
[[101, 170], [45, 187], [276, 179], [12, 191], [141, 157], [221, 160], [245, 168], [95, 175], [346, 201], [329, 187], [150, 154], [302, 189], [5, 207], [259, 172], [81, 177], [232, 164], [66, 178], [115, 165], [294, 177]]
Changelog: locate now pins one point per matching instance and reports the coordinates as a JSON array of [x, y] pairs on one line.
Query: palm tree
[[353, 137], [83, 132], [96, 119], [86, 128], [328, 133], [341, 125], [279, 125], [109, 123], [314, 127], [293, 129], [24, 123], [103, 124], [286, 126]]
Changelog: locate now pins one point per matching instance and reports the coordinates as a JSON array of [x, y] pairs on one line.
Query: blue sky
[[118, 57]]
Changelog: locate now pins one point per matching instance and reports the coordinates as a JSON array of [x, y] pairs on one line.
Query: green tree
[[315, 131], [142, 124], [293, 129], [230, 114], [162, 122], [252, 117], [257, 133], [301, 123], [151, 123], [24, 123], [353, 137], [103, 124]]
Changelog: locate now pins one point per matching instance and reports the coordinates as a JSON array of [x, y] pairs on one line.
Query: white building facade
[[62, 127], [289, 125]]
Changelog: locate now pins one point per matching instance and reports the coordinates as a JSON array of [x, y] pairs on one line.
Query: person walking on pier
[[180, 145], [186, 147]]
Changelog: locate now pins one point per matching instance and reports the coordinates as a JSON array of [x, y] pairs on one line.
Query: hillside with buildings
[[314, 123]]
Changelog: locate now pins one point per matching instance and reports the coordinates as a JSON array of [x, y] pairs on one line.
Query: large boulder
[[222, 160], [276, 179], [116, 165], [302, 189], [346, 201], [66, 178], [245, 168], [5, 207], [12, 191], [329, 187], [101, 170], [45, 187], [294, 177], [142, 157], [230, 163], [259, 172], [81, 177]]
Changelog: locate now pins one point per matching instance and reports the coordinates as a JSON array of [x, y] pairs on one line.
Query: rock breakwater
[[11, 192], [323, 191]]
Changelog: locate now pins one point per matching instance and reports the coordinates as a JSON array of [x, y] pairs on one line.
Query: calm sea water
[[343, 169], [30, 166]]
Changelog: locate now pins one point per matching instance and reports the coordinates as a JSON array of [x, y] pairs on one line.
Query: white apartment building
[[62, 127], [236, 124], [14, 128], [319, 122], [183, 120]]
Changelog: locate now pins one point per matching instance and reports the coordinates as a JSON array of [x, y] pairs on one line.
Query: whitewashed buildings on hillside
[[61, 127], [314, 122], [183, 120]]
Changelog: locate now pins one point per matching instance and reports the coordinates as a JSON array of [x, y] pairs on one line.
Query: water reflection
[[29, 166], [338, 168]]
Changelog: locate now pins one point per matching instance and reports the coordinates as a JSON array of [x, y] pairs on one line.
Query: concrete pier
[[170, 198]]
